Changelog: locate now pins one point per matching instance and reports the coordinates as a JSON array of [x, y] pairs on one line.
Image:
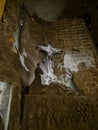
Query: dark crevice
[[25, 90]]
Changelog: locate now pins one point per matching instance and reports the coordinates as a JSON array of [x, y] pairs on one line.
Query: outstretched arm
[[41, 48], [56, 50]]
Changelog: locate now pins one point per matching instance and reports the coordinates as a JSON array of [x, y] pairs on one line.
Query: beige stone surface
[[53, 109]]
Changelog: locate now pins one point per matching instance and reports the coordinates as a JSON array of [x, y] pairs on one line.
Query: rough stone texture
[[78, 8], [72, 36], [9, 62], [59, 111], [53, 109], [47, 10]]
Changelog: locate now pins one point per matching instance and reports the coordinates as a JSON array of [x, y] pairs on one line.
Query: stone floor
[[58, 109]]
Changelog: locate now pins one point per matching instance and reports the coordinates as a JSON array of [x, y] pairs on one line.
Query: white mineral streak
[[15, 45], [24, 53], [22, 60], [71, 61], [6, 89], [48, 73], [48, 65]]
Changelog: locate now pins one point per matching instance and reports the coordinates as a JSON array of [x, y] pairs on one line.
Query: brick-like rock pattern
[[56, 110], [60, 112], [72, 36]]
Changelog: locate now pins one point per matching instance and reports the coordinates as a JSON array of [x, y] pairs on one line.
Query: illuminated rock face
[[72, 61], [48, 63], [71, 36], [55, 108], [5, 102], [48, 75]]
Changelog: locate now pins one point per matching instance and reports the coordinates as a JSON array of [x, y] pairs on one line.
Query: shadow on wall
[[36, 85], [47, 10]]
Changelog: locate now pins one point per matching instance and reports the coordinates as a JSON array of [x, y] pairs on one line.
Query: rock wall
[[72, 36], [79, 54], [50, 111], [9, 62]]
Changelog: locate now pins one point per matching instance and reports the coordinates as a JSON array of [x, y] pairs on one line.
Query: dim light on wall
[[2, 6]]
